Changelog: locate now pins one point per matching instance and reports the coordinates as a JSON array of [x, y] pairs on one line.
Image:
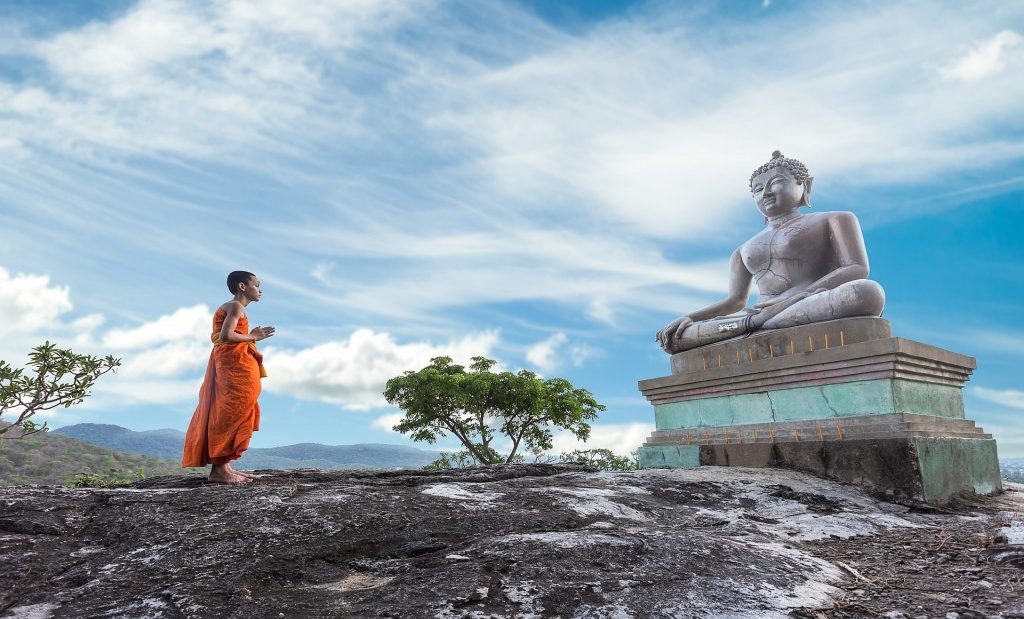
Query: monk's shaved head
[[238, 277]]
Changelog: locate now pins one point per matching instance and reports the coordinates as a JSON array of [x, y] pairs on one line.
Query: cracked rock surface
[[501, 541]]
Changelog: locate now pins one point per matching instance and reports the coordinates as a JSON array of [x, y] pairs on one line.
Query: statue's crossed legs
[[860, 297]]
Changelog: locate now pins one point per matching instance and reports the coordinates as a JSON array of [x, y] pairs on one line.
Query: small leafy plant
[[54, 377], [603, 459], [112, 479]]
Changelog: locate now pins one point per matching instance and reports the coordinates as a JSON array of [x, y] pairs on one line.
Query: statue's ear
[[806, 200]]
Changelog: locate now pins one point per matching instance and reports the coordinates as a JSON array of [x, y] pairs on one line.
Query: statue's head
[[781, 185]]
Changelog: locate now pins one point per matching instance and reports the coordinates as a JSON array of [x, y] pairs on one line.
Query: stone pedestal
[[843, 399]]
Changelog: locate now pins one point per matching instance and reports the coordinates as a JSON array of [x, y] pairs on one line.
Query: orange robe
[[228, 412]]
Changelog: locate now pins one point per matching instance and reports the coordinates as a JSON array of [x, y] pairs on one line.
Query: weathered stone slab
[[812, 430], [914, 469], [950, 466], [669, 457]]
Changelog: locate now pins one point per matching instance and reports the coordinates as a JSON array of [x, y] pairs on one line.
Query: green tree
[[444, 399], [603, 459], [54, 377]]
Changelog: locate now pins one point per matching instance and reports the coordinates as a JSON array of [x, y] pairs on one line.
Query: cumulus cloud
[[544, 354], [184, 323], [621, 438], [163, 359], [352, 372], [173, 359], [114, 391], [30, 303], [985, 60], [388, 421], [1005, 397]]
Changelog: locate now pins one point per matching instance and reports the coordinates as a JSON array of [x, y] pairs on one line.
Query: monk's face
[[776, 192], [251, 289]]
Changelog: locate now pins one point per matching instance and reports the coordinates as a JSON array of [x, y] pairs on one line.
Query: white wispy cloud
[[583, 169], [190, 78], [989, 58], [549, 354], [1005, 397]]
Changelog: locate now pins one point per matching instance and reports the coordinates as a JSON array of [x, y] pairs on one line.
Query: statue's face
[[776, 192]]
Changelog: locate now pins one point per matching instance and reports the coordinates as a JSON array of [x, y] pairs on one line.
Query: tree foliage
[[474, 406], [112, 479], [603, 459], [54, 377]]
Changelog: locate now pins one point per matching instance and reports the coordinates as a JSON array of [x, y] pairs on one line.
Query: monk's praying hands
[[261, 333]]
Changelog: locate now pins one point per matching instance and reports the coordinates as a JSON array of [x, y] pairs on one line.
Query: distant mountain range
[[50, 458], [163, 444], [1013, 469], [166, 444]]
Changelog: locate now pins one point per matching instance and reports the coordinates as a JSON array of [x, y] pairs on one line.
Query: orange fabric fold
[[228, 412]]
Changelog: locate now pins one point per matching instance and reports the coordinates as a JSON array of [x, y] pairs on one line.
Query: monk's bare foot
[[240, 473], [224, 474], [228, 478]]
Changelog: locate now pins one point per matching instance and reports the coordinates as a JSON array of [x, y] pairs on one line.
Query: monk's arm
[[227, 330]]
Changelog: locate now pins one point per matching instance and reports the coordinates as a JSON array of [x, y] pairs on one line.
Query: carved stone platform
[[842, 398]]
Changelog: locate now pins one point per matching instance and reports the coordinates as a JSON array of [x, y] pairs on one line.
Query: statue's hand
[[670, 334], [756, 321]]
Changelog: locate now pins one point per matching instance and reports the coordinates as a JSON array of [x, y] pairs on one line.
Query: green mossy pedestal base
[[669, 457], [882, 412]]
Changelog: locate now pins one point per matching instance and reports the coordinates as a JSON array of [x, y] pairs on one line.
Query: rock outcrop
[[512, 541]]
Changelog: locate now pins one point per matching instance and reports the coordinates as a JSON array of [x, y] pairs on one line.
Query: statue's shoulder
[[830, 218], [837, 215], [842, 219]]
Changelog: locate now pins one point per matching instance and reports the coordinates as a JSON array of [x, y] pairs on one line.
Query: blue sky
[[547, 184]]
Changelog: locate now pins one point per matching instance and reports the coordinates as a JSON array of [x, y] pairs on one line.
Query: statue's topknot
[[798, 169]]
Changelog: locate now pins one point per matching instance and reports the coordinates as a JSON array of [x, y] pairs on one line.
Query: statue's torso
[[789, 257]]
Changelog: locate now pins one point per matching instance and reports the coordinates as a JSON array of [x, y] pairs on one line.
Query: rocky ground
[[516, 541]]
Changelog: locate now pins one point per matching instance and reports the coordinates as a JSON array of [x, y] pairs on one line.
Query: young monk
[[228, 412]]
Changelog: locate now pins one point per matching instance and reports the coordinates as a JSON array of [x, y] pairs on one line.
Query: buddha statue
[[808, 267]]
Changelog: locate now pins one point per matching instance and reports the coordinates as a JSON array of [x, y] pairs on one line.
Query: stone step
[[790, 438], [942, 422], [862, 428], [843, 422], [940, 428]]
